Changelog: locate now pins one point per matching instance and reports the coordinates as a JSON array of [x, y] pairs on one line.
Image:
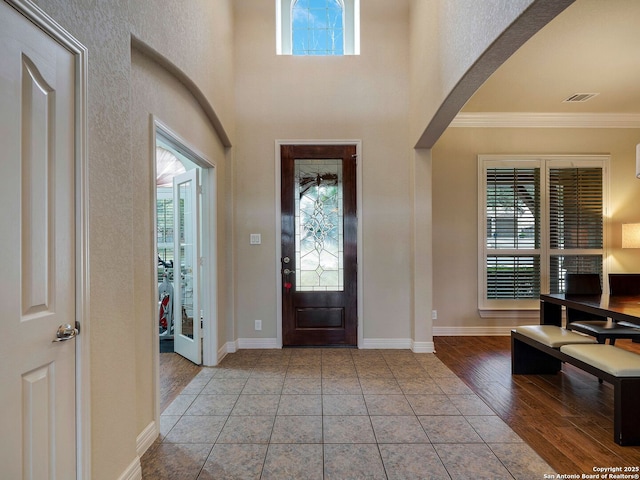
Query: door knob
[[286, 271], [65, 332]]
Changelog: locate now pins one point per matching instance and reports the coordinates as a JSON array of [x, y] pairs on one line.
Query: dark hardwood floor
[[566, 418]]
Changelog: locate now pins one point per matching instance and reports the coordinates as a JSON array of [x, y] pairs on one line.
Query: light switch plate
[[255, 239]]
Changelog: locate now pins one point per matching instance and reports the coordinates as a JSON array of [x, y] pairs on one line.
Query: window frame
[[351, 27], [514, 308]]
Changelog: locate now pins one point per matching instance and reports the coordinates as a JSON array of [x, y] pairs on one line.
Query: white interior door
[[186, 266], [37, 252]]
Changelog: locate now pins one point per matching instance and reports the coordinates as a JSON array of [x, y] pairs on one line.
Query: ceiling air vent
[[579, 97]]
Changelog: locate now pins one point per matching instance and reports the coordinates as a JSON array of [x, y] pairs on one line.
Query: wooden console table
[[618, 308]]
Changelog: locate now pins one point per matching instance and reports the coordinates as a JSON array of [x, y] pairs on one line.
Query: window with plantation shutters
[[575, 223], [539, 218]]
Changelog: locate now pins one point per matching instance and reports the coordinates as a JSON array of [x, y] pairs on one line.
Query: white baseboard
[[143, 442], [423, 347], [485, 331], [257, 343], [133, 471], [146, 438], [387, 343], [368, 343]]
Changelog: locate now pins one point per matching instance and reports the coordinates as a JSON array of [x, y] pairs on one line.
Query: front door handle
[[64, 333]]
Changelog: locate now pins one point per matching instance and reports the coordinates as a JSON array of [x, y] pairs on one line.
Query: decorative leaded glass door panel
[[319, 233]]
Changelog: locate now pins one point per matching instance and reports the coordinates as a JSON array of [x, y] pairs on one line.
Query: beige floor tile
[[387, 405], [348, 429], [245, 429], [191, 429], [234, 462], [256, 405], [398, 429], [477, 461], [353, 462], [344, 405], [432, 405], [412, 462], [334, 414], [293, 462], [449, 429], [302, 386], [297, 429], [300, 405]]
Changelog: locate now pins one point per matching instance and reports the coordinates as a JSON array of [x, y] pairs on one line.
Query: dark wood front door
[[319, 249]]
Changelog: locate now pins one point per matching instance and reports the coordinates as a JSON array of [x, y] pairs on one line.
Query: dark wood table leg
[[550, 314]]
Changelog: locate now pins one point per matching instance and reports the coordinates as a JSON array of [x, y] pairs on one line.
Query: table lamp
[[631, 235]]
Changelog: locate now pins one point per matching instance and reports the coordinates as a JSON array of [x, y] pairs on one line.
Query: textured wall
[[102, 28], [456, 45], [196, 36], [187, 33], [156, 92]]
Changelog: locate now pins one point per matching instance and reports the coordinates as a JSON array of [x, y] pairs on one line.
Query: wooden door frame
[[82, 374], [278, 244]]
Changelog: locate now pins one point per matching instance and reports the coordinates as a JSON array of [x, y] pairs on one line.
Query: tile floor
[[334, 414]]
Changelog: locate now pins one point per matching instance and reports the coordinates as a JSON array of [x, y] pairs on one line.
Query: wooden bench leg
[[626, 416], [526, 359]]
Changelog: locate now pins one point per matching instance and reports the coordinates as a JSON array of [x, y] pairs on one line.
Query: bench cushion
[[608, 358], [553, 336]]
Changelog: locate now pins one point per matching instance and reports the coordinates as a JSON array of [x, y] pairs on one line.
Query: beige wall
[[455, 200], [155, 92], [196, 36], [353, 97], [447, 38]]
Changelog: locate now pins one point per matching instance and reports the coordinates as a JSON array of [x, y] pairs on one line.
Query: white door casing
[[186, 270], [39, 82]]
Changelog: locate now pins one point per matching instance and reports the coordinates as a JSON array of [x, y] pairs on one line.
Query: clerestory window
[[317, 27], [539, 218]]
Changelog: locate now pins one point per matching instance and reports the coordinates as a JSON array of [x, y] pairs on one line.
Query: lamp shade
[[638, 160], [631, 235]]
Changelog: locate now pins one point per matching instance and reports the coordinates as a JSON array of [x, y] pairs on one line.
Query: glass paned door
[[186, 266], [319, 245]]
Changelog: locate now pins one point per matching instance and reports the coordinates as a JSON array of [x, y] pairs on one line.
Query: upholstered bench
[[541, 349], [535, 349], [621, 368], [612, 360]]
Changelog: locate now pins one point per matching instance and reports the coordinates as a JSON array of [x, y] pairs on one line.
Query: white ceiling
[[591, 47]]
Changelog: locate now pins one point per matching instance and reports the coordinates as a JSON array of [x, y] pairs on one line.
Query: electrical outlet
[[434, 314], [258, 325]]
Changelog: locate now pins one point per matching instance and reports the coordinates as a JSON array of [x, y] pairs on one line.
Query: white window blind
[[513, 233], [539, 219], [575, 223]]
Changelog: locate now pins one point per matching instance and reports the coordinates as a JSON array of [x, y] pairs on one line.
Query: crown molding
[[545, 120]]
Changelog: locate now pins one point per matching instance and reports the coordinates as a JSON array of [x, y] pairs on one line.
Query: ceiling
[[591, 47]]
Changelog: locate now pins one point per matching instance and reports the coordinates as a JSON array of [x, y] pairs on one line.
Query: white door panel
[[37, 252], [186, 266]]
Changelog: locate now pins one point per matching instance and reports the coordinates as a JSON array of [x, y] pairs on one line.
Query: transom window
[[318, 27], [539, 218]]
